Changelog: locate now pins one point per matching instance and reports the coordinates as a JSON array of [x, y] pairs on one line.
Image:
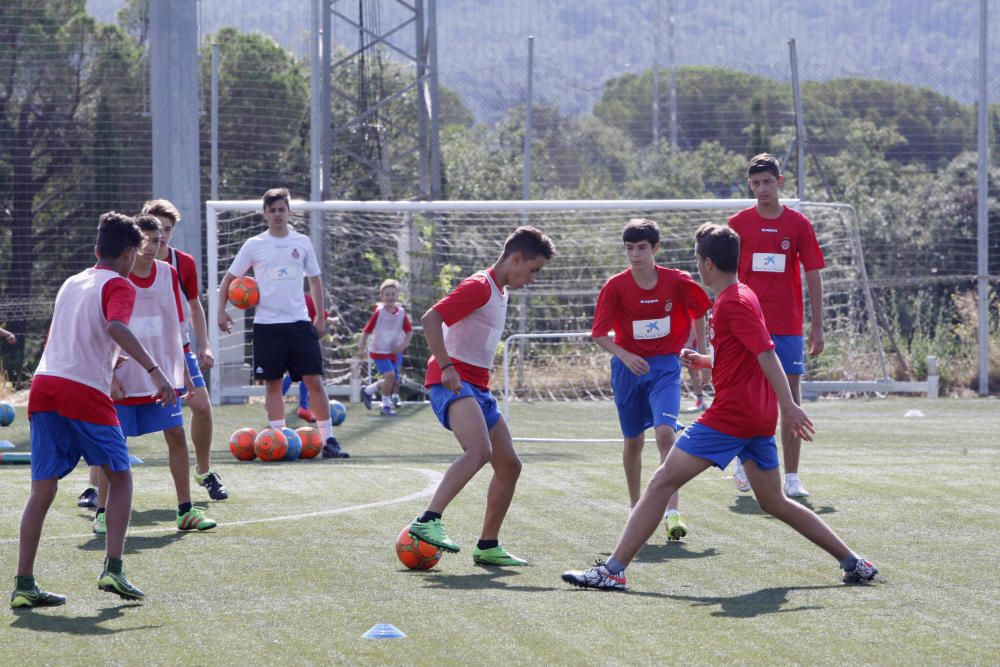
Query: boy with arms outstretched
[[158, 322], [774, 241], [749, 387], [284, 339], [390, 331], [458, 378], [70, 408], [650, 308]]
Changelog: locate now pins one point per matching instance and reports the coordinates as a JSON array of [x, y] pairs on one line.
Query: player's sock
[[113, 565], [386, 401], [487, 544], [428, 516], [277, 423], [791, 476], [849, 563], [614, 566], [183, 508], [100, 510], [325, 427], [671, 512], [24, 582]]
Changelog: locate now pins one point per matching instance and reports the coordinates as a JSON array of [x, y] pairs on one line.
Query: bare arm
[[363, 345], [434, 334], [123, 336], [635, 363], [316, 292], [200, 325], [699, 334], [814, 284], [791, 414], [225, 322]]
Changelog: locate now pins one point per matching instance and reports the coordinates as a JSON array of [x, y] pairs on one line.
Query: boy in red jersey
[[391, 331], [70, 406], [774, 241], [650, 308], [458, 377], [749, 387]]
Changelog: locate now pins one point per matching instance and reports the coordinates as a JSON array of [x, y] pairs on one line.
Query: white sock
[[395, 397], [325, 427], [372, 388], [791, 476], [386, 401], [672, 513], [277, 423]]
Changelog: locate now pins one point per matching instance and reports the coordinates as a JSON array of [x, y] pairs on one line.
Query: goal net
[[430, 246]]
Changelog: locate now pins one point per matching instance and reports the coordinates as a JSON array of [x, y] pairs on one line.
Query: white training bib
[[650, 329], [769, 262]]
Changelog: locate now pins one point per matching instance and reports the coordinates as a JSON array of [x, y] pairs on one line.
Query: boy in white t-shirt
[[283, 337], [390, 331]]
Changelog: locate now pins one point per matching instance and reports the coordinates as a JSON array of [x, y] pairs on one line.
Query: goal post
[[430, 245]]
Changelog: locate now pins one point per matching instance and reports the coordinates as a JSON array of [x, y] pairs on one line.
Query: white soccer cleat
[[596, 577], [740, 478], [864, 571], [794, 489]]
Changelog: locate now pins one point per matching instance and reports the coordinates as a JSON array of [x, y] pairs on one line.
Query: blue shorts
[[649, 400], [789, 351], [442, 398], [707, 443], [192, 362], [386, 365], [149, 418], [58, 442]]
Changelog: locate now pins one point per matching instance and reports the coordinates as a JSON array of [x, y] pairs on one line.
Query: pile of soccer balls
[[282, 444]]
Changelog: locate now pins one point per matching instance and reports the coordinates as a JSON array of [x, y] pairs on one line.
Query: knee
[[199, 403], [510, 469], [775, 504], [390, 376]]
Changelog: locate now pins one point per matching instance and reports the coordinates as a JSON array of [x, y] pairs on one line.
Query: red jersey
[[187, 272], [473, 293], [50, 392], [745, 405], [770, 254], [651, 322]]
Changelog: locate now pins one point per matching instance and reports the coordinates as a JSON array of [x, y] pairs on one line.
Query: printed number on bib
[[649, 329], [769, 262]]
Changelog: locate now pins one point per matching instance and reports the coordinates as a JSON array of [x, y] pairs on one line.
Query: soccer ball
[[416, 554], [241, 444], [7, 414], [312, 445], [338, 413], [270, 445], [294, 444], [243, 292]]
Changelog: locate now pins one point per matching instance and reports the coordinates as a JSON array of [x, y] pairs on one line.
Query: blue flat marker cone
[[134, 460], [6, 444], [384, 631]]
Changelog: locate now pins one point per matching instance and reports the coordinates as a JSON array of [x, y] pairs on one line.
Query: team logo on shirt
[[786, 243], [295, 253], [668, 305]]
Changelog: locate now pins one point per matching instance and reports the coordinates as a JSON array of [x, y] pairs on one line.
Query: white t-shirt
[[279, 265]]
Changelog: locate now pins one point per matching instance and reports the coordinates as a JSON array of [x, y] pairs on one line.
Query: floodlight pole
[[522, 295], [214, 112], [655, 128], [982, 211], [800, 128]]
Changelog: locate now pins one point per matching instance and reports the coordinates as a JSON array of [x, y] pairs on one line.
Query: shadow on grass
[[758, 603], [31, 619], [134, 543], [153, 516], [488, 577], [747, 504], [657, 553]]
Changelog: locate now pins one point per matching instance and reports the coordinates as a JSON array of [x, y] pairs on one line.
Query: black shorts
[[292, 347]]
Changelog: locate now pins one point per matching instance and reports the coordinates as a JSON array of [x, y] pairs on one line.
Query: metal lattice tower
[[380, 78]]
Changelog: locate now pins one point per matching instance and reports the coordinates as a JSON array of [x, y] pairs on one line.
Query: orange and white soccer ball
[[312, 445], [270, 445], [416, 554], [241, 444], [243, 292]]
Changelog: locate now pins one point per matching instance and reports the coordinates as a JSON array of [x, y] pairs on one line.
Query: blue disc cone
[[6, 444], [134, 460], [384, 631]]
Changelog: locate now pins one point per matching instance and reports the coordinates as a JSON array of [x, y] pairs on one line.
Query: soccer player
[[458, 376], [303, 412], [158, 322], [775, 241], [391, 331], [651, 309], [70, 408], [749, 387], [198, 399], [283, 337]]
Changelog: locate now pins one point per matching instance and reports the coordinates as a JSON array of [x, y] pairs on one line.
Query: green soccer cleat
[[100, 524], [676, 528], [432, 532], [496, 556], [35, 597], [195, 519], [119, 585]]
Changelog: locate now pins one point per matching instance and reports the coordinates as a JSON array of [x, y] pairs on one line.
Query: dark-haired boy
[[458, 377], [70, 406], [749, 387], [775, 240], [651, 309], [284, 339]]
